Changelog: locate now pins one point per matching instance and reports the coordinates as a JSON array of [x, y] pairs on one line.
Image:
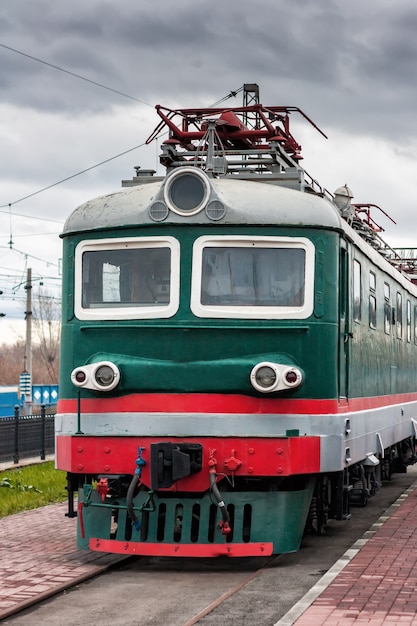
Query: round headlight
[[265, 377], [268, 377], [187, 191], [104, 375]]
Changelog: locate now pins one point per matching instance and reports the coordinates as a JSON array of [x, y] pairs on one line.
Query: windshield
[[253, 277], [127, 279], [115, 278]]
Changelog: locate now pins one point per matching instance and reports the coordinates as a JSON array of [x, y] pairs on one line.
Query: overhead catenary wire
[[13, 281], [59, 182], [61, 69], [84, 171], [55, 232], [31, 256], [56, 67], [7, 207], [34, 217], [10, 204], [231, 94]]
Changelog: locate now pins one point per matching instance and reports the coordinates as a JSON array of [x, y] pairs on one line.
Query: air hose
[[223, 509], [129, 501], [134, 483]]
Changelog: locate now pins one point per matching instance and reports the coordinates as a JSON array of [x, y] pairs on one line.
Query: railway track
[[228, 594]]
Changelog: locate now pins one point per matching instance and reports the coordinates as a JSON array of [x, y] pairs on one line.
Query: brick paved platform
[[375, 582], [38, 557]]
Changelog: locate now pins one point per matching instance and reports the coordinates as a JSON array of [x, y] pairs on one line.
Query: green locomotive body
[[238, 361]]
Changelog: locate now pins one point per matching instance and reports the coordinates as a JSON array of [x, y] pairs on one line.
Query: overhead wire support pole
[[250, 97], [28, 348]]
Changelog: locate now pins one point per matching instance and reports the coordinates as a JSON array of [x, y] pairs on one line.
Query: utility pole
[[28, 349]]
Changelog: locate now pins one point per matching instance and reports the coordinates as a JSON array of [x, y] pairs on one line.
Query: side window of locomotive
[[372, 300], [126, 280], [256, 277], [387, 309], [399, 316], [415, 325], [357, 291], [408, 321]]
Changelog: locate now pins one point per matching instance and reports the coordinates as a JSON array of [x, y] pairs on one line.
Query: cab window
[[252, 277], [127, 279]]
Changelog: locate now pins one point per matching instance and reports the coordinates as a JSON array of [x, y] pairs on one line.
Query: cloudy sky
[[350, 66]]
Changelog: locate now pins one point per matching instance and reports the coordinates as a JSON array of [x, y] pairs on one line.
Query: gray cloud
[[343, 57], [352, 67]]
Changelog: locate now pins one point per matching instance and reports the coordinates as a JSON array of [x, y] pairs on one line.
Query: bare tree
[[11, 362], [46, 322]]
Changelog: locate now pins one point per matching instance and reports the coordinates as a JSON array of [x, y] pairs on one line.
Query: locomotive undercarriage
[[260, 516], [336, 493], [120, 510]]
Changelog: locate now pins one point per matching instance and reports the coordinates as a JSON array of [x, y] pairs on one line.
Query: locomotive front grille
[[183, 520], [190, 521]]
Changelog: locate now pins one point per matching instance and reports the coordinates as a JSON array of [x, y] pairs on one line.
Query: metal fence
[[26, 436]]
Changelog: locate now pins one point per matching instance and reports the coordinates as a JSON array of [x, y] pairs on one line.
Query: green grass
[[30, 487]]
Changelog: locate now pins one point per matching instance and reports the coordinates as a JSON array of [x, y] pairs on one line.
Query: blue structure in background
[[41, 394], [8, 399], [44, 394]]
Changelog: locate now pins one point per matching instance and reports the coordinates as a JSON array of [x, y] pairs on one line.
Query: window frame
[[252, 312], [387, 309], [415, 324], [372, 300], [357, 307], [408, 320], [399, 314], [130, 312], [372, 281], [372, 311]]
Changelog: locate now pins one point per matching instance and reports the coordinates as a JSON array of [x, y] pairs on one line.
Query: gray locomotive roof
[[246, 202]]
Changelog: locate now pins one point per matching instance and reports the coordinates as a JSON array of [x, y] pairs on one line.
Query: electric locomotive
[[238, 354]]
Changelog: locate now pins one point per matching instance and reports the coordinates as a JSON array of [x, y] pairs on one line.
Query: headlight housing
[[187, 191], [267, 377], [102, 376]]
